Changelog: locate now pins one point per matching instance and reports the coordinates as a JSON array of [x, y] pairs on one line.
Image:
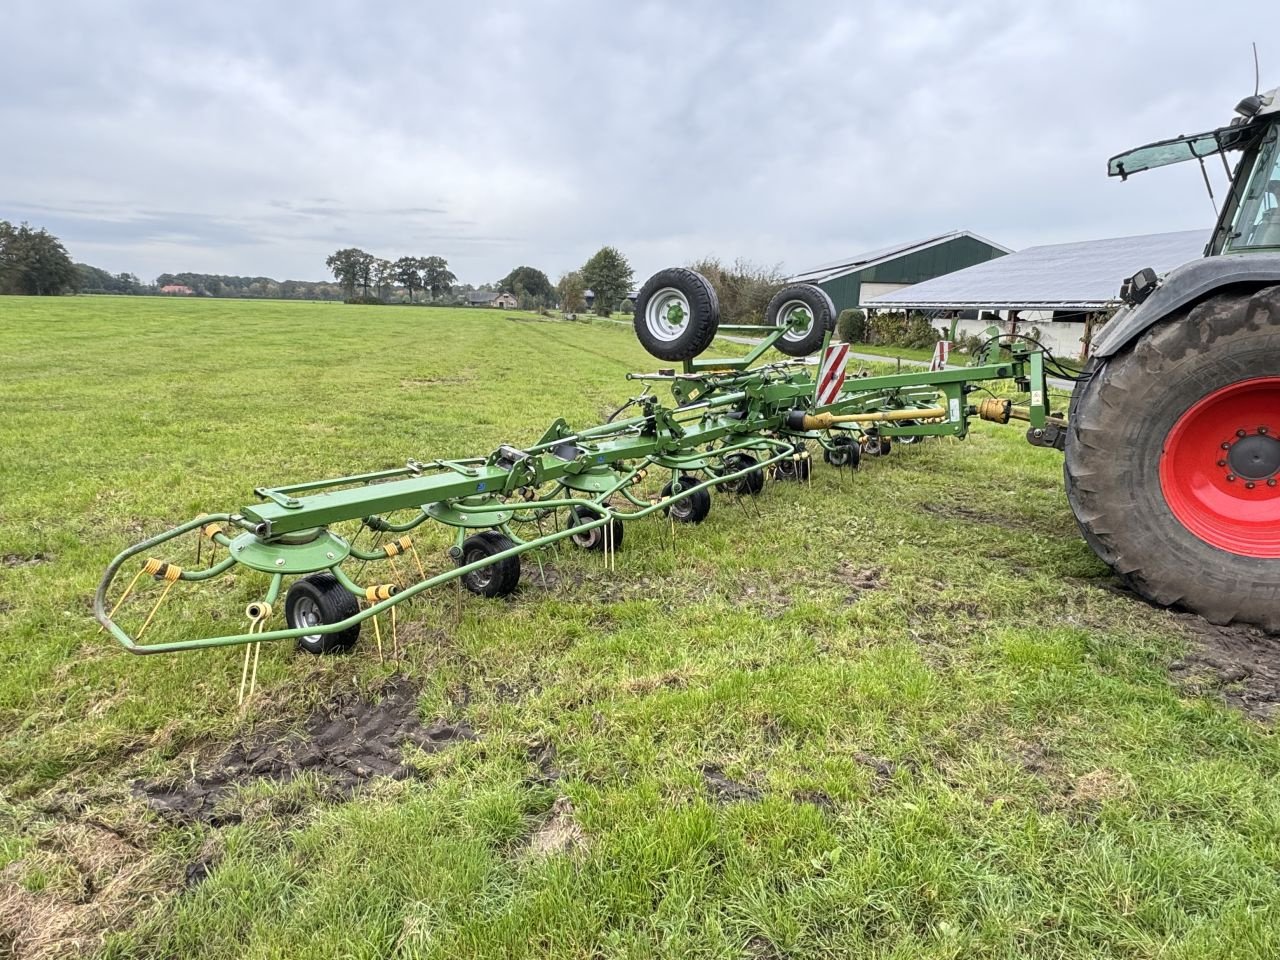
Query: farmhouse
[[1061, 288], [487, 298], [852, 281], [177, 290]]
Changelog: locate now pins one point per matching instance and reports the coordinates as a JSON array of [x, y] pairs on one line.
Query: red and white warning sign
[[941, 353], [831, 373]]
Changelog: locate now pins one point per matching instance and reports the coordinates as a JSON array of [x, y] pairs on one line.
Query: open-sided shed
[[1054, 286]]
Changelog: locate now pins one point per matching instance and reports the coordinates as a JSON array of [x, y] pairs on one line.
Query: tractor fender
[[1186, 286]]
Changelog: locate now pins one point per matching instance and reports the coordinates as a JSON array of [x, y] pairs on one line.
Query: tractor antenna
[[1257, 77]]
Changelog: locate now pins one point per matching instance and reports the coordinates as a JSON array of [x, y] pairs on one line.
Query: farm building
[[1055, 287], [852, 281], [487, 298]]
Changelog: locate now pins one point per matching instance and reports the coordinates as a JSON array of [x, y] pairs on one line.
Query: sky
[[257, 138]]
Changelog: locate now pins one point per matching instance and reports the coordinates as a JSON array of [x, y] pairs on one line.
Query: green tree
[[34, 262], [609, 275], [350, 267], [383, 276], [408, 273], [530, 285], [571, 291], [436, 276]]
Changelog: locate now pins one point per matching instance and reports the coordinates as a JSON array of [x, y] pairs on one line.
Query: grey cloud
[[509, 133]]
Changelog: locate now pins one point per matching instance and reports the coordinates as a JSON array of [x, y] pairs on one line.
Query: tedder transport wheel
[[691, 509], [497, 579], [810, 310], [594, 539], [752, 483], [677, 314], [320, 599], [1173, 460]]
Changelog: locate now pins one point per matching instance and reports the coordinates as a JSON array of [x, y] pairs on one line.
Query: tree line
[[35, 262]]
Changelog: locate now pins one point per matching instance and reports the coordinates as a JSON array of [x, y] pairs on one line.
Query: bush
[[851, 326], [744, 289], [901, 330]]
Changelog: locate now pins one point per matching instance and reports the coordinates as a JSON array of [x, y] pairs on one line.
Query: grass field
[[901, 713]]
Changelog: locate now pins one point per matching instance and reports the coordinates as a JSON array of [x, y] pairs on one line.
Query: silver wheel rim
[[667, 314], [484, 576], [792, 311], [682, 508], [306, 613]]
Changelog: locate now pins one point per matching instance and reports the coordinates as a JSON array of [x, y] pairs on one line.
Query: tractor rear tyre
[[319, 600], [676, 314], [809, 313], [1173, 460], [497, 579]]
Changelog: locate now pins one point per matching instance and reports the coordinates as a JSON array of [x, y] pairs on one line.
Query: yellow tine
[[124, 596], [146, 623]]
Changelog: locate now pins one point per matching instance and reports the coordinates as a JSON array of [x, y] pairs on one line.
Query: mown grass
[[944, 734]]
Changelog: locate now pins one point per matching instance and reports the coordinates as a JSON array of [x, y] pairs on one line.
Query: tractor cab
[[1250, 219]]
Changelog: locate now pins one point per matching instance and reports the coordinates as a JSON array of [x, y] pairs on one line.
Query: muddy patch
[[1240, 664], [345, 743], [858, 579], [542, 755], [558, 834], [724, 790], [814, 798], [24, 559]]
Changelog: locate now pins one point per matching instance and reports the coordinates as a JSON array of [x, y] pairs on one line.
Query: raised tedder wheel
[[676, 314], [808, 313]]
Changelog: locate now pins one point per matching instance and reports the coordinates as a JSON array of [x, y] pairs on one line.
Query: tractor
[[1172, 449]]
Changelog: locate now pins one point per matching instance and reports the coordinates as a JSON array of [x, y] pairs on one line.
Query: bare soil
[[347, 742], [1242, 664]]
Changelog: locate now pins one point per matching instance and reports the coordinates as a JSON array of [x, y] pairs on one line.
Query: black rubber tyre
[[496, 580], [874, 445], [594, 540], [1121, 424], [844, 452], [752, 483], [321, 599], [907, 440], [794, 469], [691, 509], [803, 298], [676, 314]]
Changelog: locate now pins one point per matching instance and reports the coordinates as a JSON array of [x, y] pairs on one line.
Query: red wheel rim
[[1220, 468]]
